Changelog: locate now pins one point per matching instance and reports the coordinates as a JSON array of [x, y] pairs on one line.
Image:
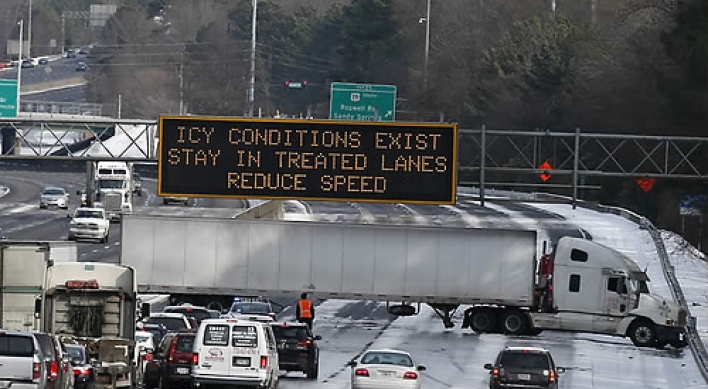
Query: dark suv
[[171, 364], [527, 367], [297, 348]]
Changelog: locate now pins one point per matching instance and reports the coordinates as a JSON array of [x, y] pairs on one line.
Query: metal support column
[[576, 156], [482, 163]]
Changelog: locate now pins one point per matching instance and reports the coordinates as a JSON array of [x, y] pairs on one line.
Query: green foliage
[[368, 47], [536, 62], [687, 45]]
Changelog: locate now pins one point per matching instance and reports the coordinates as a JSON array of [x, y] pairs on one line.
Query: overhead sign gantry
[[307, 159]]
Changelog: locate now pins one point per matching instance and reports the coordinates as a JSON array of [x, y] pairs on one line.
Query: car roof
[[389, 350], [231, 320], [168, 314], [89, 209], [53, 188], [186, 307], [146, 333], [528, 349], [287, 324]]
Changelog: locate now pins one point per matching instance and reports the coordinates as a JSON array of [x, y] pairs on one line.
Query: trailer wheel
[[642, 333], [514, 323], [215, 305], [483, 320]]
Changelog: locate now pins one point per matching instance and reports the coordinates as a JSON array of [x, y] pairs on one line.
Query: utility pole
[[593, 12], [29, 31], [427, 47], [181, 84], [252, 83]]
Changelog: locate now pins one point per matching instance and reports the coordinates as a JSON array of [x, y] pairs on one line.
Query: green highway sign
[[362, 102], [8, 98]]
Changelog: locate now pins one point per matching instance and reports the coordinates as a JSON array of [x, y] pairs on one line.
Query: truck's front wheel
[[642, 333]]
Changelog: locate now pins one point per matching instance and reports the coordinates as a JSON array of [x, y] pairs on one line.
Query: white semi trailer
[[501, 275]]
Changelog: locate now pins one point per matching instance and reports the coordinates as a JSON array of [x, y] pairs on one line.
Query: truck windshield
[[111, 184], [638, 286]]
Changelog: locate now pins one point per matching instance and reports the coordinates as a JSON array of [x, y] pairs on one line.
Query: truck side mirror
[[37, 308], [145, 310]]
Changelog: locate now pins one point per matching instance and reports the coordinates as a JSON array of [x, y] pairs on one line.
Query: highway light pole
[[19, 68], [427, 46], [252, 83], [29, 31]]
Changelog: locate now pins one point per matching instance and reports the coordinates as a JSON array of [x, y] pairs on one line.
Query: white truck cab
[[114, 188]]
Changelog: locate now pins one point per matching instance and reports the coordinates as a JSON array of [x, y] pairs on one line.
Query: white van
[[235, 352]]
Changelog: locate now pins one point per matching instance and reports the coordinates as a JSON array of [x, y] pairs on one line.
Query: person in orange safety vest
[[305, 310]]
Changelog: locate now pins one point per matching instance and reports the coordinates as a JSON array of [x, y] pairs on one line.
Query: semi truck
[[503, 278], [110, 185], [92, 304]]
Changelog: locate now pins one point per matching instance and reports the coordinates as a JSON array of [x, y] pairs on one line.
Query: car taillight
[[173, 347], [410, 375], [36, 370], [264, 361], [53, 370], [495, 374], [305, 342], [147, 357], [361, 372], [195, 359], [552, 376], [82, 371]]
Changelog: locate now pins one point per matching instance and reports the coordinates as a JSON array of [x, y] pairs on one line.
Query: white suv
[[22, 361], [234, 352]]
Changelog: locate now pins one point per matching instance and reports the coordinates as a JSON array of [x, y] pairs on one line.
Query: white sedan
[[54, 197], [379, 369]]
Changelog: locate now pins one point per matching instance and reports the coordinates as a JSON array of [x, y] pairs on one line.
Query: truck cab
[[598, 289], [114, 188]]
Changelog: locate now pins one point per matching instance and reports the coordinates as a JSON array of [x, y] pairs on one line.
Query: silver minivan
[[21, 361], [235, 352]]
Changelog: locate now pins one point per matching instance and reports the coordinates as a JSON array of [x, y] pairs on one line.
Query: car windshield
[[53, 192], [172, 323], [142, 338], [76, 353], [524, 360], [290, 333], [250, 308], [111, 184], [387, 358], [89, 214]]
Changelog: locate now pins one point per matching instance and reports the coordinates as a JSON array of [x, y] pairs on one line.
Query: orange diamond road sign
[[547, 171], [646, 183]]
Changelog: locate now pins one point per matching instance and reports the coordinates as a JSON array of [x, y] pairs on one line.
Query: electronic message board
[[307, 159]]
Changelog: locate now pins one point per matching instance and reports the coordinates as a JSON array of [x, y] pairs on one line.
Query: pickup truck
[[89, 223]]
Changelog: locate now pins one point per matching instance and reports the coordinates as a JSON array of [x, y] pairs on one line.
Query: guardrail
[[694, 340]]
